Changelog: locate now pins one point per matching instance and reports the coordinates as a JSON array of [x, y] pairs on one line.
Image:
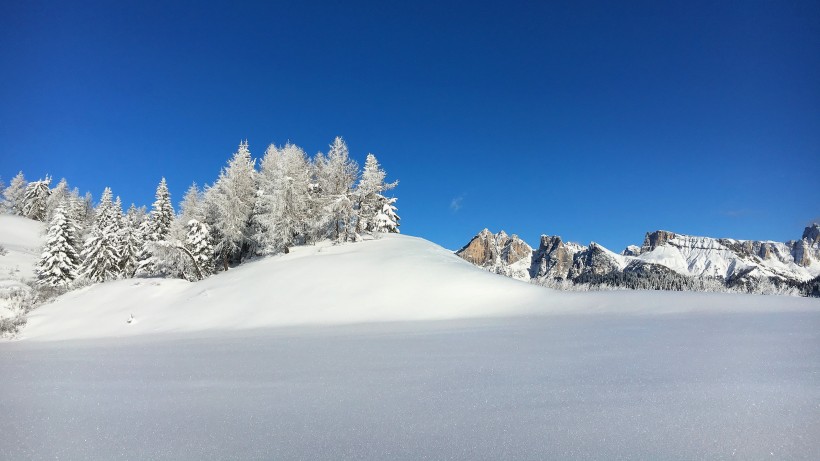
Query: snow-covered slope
[[444, 360], [22, 239], [396, 278], [392, 278]]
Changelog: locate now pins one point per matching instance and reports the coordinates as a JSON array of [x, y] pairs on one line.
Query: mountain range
[[665, 260]]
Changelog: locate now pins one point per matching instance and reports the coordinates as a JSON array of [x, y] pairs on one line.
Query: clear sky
[[593, 121]]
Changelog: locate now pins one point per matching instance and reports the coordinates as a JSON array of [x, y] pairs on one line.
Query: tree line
[[250, 210]]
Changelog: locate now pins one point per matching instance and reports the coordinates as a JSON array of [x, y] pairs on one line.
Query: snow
[[705, 256], [688, 386], [22, 239], [395, 348], [394, 278]]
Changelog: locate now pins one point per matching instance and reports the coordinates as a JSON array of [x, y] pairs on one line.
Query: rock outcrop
[[665, 258], [499, 253], [553, 258]]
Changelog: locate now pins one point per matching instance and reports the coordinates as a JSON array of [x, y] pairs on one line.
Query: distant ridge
[[665, 260]]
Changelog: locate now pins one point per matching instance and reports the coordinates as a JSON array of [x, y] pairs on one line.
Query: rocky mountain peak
[[632, 250], [500, 253], [656, 239], [812, 234], [552, 259], [665, 260]]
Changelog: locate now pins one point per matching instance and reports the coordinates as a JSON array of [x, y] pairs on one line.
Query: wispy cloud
[[455, 204]]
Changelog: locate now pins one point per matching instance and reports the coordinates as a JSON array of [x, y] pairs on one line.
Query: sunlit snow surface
[[693, 386], [396, 349]]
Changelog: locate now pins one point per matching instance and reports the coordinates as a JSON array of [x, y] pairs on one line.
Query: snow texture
[[395, 348], [22, 238], [678, 386]]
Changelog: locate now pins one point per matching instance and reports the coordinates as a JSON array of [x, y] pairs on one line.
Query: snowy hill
[[389, 279], [22, 239], [395, 278], [397, 349]]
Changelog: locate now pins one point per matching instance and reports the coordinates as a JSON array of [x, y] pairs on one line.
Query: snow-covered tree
[[2, 201], [15, 193], [108, 213], [387, 220], [36, 198], [100, 256], [130, 241], [190, 208], [162, 214], [78, 210], [230, 206], [157, 228], [335, 178], [59, 261], [198, 243], [101, 252], [370, 200], [284, 204], [58, 196]]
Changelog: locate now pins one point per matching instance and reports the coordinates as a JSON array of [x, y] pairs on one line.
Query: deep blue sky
[[594, 121]]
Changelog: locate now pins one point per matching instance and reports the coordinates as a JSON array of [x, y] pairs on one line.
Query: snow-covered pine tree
[[190, 208], [35, 199], [14, 195], [198, 243], [130, 241], [101, 255], [370, 200], [76, 210], [162, 213], [230, 204], [156, 228], [284, 205], [317, 219], [387, 220], [2, 202], [59, 261], [58, 196], [108, 214], [336, 177]]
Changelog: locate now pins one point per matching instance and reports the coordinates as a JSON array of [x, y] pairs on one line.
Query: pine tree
[[230, 204], [190, 208], [371, 203], [2, 202], [131, 242], [336, 177], [156, 229], [284, 205], [162, 213], [198, 243], [15, 193], [108, 214], [387, 220], [35, 199], [101, 253], [56, 198], [76, 211], [100, 256], [59, 261]]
